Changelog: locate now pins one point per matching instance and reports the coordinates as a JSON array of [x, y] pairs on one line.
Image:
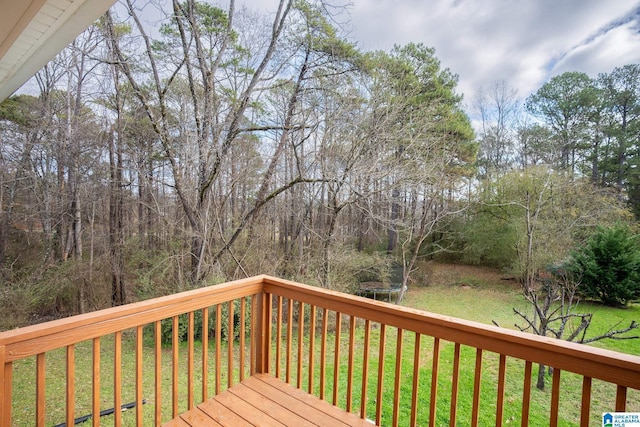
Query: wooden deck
[[299, 351], [263, 400]]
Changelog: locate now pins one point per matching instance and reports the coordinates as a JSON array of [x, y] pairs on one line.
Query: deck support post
[[262, 331], [5, 389]]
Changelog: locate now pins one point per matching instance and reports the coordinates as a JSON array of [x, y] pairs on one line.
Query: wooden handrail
[[270, 323], [589, 361], [31, 340], [39, 339], [623, 370]]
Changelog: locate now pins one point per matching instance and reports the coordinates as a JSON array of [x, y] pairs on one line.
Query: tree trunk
[[116, 221], [4, 223], [77, 221], [540, 381], [197, 252], [395, 209], [326, 245]]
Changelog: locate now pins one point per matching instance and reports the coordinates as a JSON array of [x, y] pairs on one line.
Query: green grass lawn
[[483, 295], [466, 292], [24, 380]]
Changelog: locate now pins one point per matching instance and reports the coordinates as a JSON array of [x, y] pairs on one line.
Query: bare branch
[[615, 334], [531, 323]]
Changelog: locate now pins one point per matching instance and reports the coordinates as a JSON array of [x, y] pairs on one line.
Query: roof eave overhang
[[26, 50]]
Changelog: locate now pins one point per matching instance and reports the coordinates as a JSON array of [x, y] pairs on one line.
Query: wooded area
[[212, 144]]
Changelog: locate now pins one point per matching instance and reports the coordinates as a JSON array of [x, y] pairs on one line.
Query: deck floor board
[[311, 413], [264, 401], [220, 413]]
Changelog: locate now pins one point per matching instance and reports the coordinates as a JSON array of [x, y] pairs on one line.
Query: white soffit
[[32, 32]]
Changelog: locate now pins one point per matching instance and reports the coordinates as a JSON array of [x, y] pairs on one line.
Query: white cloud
[[524, 42], [618, 47]]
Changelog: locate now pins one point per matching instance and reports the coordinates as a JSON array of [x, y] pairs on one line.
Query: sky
[[522, 42]]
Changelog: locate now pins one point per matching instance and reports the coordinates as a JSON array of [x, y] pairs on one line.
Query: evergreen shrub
[[609, 266]]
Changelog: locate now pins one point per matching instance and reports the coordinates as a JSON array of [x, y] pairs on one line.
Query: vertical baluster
[[336, 359], [434, 381], [267, 332], [279, 336], [312, 347], [175, 342], [71, 385], [117, 377], [454, 385], [383, 330], [218, 347], [352, 343], [585, 407], [95, 394], [139, 376], [190, 359], [416, 380], [158, 372], [243, 314], [621, 398], [40, 388], [253, 341], [230, 339], [300, 342], [526, 394], [205, 354], [555, 398], [323, 352], [365, 369], [289, 340], [398, 375], [502, 370], [476, 389]]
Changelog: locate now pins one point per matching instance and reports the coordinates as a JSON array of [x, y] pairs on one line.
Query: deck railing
[[391, 364]]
